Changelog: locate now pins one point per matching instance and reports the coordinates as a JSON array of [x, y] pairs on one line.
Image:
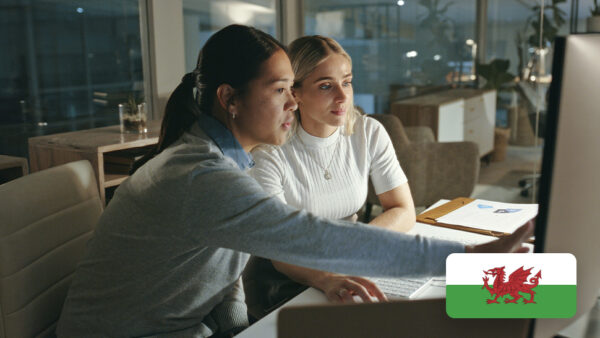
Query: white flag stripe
[[467, 269]]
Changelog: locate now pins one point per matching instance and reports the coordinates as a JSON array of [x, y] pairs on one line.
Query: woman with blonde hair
[[324, 168]]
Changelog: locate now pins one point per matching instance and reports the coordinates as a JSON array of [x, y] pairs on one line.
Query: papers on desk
[[489, 215], [482, 216]]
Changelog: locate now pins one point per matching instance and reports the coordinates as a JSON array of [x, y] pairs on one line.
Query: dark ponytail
[[231, 56], [181, 111]]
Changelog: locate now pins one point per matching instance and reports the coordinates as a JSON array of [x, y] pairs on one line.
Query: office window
[[518, 58], [398, 47], [585, 17], [516, 38], [64, 66], [406, 48], [202, 18]]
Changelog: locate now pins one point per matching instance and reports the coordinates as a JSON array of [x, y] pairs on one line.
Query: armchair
[[47, 218], [434, 170]]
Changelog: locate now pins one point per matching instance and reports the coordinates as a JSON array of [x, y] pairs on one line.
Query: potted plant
[[444, 43], [496, 75], [593, 22], [132, 115], [534, 43]]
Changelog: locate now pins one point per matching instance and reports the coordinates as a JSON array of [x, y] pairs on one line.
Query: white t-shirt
[[295, 171]]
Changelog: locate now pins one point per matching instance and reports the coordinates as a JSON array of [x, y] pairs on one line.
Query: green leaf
[[496, 74]]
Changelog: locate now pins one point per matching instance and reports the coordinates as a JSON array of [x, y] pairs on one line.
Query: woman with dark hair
[[167, 254]]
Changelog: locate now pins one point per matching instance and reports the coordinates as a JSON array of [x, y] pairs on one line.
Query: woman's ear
[[226, 98]]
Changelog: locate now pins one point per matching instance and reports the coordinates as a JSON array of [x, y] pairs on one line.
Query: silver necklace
[[326, 172]]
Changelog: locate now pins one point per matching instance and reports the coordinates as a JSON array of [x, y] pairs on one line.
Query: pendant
[[327, 175]]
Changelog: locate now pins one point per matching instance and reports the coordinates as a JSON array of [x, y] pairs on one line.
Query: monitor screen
[[569, 197]]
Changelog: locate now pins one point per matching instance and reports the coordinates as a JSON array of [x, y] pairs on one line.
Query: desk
[[267, 326], [91, 144], [12, 167]]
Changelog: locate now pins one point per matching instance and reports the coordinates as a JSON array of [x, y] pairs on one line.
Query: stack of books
[[121, 162]]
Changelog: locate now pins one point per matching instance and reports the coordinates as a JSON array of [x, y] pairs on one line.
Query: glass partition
[[201, 18], [405, 50], [520, 39], [586, 16], [399, 48]]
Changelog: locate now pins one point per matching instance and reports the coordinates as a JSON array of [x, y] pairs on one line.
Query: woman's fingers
[[371, 287], [522, 249], [336, 291], [333, 295], [523, 232], [345, 295], [345, 289], [514, 242], [356, 289], [511, 243]]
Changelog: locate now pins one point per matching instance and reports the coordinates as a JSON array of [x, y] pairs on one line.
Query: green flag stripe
[[551, 301]]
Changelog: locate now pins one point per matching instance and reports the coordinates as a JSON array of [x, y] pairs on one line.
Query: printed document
[[490, 215]]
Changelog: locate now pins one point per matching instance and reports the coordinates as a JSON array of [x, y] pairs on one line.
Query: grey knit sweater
[[167, 254]]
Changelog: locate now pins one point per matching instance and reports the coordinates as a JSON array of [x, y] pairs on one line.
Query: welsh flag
[[511, 285]]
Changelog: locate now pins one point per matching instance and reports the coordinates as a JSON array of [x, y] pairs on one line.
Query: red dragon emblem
[[516, 283]]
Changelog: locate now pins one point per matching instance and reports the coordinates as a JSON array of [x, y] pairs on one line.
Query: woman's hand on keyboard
[[510, 243], [343, 289]]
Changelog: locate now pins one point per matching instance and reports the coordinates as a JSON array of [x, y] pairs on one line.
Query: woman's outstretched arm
[[399, 210]]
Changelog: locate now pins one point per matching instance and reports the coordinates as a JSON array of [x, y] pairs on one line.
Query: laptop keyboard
[[401, 287]]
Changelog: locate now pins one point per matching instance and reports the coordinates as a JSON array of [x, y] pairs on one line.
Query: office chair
[[47, 218], [434, 170]]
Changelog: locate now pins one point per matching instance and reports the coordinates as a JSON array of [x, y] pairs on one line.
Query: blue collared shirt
[[225, 140]]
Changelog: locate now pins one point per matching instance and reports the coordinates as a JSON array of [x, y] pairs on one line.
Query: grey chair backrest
[[46, 219], [435, 170]]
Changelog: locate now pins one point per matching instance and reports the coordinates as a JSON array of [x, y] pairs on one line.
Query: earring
[[233, 114]]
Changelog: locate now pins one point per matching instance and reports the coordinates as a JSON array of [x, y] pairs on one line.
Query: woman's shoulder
[[267, 153], [367, 127], [371, 123], [266, 150]]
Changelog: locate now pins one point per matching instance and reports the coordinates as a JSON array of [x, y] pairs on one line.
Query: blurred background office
[[66, 64]]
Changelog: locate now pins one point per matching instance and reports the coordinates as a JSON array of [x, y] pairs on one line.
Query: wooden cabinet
[[453, 115], [91, 144], [479, 117]]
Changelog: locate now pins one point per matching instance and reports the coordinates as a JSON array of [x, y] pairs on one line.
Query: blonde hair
[[306, 53]]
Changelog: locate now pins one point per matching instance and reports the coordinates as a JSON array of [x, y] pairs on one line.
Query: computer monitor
[[569, 198]]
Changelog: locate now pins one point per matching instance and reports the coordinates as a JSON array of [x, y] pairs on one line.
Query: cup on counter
[[133, 122]]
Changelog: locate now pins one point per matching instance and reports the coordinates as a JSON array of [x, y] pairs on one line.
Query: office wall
[[166, 58]]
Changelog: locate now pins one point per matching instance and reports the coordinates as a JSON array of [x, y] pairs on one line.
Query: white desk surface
[[267, 326]]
